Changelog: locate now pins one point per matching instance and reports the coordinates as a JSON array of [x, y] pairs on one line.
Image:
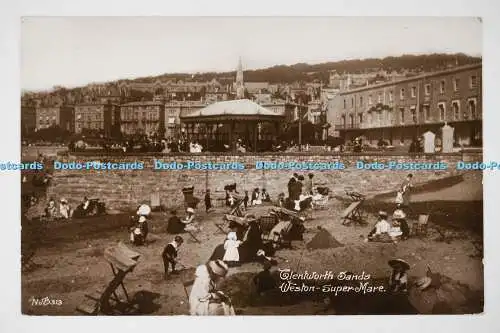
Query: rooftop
[[240, 107]]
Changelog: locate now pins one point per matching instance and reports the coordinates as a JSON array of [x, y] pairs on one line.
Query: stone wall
[[123, 190]]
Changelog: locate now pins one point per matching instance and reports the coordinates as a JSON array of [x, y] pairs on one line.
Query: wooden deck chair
[[223, 227], [353, 195], [192, 234], [353, 214], [122, 261], [237, 210], [420, 227], [267, 223]]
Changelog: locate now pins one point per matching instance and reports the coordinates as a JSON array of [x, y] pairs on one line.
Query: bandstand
[[225, 123]]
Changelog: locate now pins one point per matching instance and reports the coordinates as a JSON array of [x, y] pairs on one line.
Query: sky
[[74, 51]]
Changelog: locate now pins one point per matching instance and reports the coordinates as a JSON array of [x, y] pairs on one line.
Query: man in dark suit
[[291, 184]]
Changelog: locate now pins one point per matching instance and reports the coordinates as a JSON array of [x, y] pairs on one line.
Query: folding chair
[[353, 214], [420, 227], [122, 260], [227, 220], [237, 209]]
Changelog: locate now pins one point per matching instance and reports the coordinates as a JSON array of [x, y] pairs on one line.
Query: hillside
[[280, 74], [308, 73]]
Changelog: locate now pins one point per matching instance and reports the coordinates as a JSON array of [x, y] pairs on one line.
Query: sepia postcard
[[239, 166]]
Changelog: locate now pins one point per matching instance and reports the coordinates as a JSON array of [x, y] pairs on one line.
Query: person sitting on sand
[[189, 220], [266, 280], [65, 209], [169, 255], [205, 299], [174, 224], [281, 199], [265, 196], [381, 230], [139, 232], [398, 281], [51, 209], [399, 228], [256, 199]]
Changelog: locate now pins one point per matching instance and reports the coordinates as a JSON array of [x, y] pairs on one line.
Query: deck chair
[[267, 223], [353, 214], [353, 195], [237, 209], [283, 212], [420, 227], [122, 261], [223, 226]]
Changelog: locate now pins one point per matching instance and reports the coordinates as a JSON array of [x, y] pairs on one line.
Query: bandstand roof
[[235, 109]]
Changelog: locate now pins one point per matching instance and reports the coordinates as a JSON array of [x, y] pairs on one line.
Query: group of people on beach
[[384, 231]]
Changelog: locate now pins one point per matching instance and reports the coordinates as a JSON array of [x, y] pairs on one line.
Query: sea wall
[[125, 189]]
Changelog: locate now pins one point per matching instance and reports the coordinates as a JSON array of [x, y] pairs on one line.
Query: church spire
[[240, 86]]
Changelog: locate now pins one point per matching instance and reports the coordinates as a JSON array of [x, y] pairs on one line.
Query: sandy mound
[[323, 240]]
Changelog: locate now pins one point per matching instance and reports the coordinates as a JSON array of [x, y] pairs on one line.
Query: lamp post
[[299, 106]]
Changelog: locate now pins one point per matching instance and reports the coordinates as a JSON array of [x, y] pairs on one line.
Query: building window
[[352, 102], [390, 96], [360, 100], [351, 119], [427, 89], [360, 118], [414, 114], [370, 101], [402, 115], [413, 92], [473, 82], [442, 87], [427, 112], [379, 99], [456, 110], [402, 94], [345, 104], [456, 83], [471, 105], [442, 112]]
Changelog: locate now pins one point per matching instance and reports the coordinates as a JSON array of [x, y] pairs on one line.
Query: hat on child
[[190, 210], [398, 214], [218, 267], [144, 210], [232, 236], [382, 213], [142, 219]]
